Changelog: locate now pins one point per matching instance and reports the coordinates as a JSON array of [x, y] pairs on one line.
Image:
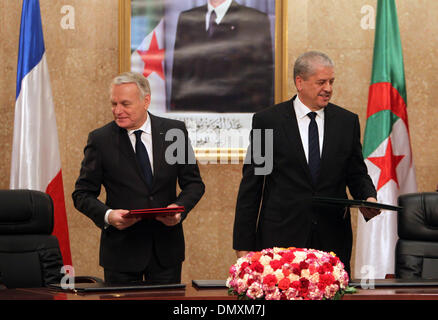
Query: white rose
[[279, 274], [268, 270], [264, 260]]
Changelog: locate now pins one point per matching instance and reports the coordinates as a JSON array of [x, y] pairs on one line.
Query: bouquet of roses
[[288, 274]]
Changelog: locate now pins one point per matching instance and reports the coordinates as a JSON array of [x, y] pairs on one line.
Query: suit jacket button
[[151, 198], [314, 222]]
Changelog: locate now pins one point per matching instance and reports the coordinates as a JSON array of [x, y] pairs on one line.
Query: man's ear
[[299, 83], [147, 101]]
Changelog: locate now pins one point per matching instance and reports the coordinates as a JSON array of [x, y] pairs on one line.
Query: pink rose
[[255, 291], [241, 286], [292, 294], [274, 294]]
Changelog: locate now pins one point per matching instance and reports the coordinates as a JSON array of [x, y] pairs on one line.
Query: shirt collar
[[301, 110], [220, 10], [146, 127]]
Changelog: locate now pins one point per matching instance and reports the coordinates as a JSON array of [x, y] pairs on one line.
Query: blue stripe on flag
[[31, 47]]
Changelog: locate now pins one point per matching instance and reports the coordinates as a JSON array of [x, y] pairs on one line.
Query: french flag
[[36, 162]]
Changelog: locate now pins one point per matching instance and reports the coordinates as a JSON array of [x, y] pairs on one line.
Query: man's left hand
[[170, 221], [369, 213]]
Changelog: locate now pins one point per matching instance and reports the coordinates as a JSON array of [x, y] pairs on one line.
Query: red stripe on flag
[[383, 96], [56, 190]]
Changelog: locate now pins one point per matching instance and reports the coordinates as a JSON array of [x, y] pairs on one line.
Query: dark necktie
[[143, 158], [212, 24], [314, 155]]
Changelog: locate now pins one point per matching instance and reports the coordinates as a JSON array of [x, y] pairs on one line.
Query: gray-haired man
[[127, 157], [316, 152]]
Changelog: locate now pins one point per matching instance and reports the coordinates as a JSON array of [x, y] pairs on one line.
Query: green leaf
[[338, 295], [350, 290]]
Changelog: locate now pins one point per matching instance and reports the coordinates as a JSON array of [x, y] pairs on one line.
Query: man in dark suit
[[222, 59], [128, 157], [306, 163]]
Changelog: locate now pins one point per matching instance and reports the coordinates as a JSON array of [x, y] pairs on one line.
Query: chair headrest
[[25, 212], [418, 220]]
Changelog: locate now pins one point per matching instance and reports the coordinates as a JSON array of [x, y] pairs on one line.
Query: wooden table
[[414, 293], [191, 293], [192, 303]]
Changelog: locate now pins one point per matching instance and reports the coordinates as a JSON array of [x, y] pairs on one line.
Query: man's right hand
[[117, 218]]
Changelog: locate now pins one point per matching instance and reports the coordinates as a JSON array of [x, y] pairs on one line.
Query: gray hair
[[134, 77], [306, 63]]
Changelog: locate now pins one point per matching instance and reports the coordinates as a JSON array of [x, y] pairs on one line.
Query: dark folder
[[104, 287], [209, 284], [348, 203], [397, 282]]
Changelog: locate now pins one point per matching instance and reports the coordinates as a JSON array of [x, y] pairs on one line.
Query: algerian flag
[[386, 147], [148, 57]]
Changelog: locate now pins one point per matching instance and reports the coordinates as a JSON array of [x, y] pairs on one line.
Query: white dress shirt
[[303, 120], [220, 10], [146, 138]]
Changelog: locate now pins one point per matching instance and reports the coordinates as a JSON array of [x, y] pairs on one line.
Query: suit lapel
[[198, 24], [290, 127], [329, 138], [125, 146], [158, 136], [230, 16]]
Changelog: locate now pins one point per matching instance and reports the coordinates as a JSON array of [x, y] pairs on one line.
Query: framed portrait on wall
[[210, 63]]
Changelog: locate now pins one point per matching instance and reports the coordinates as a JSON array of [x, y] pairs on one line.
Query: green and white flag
[[386, 148], [148, 58]]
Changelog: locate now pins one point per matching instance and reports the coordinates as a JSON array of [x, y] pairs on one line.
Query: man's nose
[[118, 108], [328, 87]]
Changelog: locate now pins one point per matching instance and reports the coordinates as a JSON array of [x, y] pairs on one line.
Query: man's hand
[[118, 219], [241, 254], [369, 213], [172, 220]]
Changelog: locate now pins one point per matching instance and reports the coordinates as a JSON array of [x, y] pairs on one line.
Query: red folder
[[154, 212]]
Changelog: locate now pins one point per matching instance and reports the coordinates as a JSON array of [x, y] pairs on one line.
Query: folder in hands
[[154, 212], [355, 203], [368, 209]]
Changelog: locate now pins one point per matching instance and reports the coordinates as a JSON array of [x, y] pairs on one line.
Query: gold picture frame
[[218, 155]]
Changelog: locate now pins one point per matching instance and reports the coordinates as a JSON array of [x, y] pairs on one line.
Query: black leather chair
[[417, 246], [29, 254]]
